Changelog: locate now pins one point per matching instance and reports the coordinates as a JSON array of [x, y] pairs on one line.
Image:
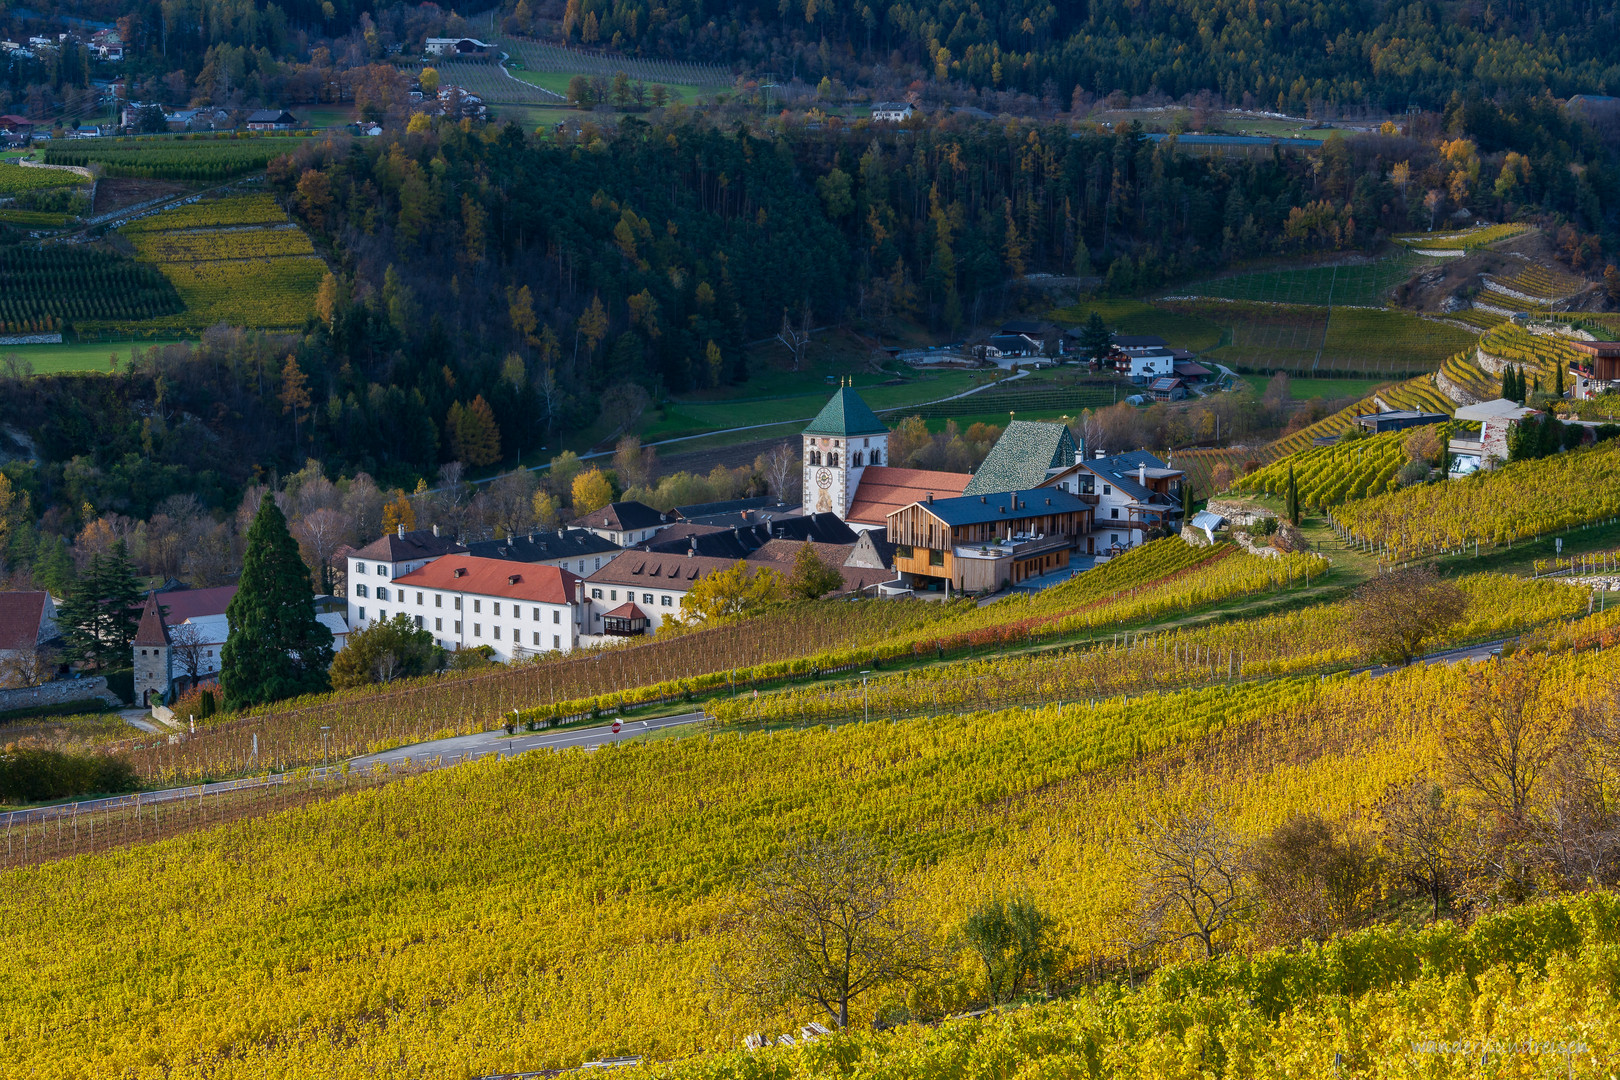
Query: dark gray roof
[[418, 544], [733, 512], [845, 414], [620, 517], [1003, 506], [742, 541], [544, 546], [1026, 452], [1121, 470]]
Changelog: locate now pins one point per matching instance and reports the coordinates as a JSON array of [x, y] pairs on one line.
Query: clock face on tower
[[823, 478]]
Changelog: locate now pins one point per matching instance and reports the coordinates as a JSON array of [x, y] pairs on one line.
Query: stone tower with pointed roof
[[843, 439], [154, 659]]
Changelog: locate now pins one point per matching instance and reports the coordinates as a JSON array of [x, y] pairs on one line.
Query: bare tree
[[1507, 736], [781, 470], [1314, 879], [30, 667], [1423, 834], [506, 504], [189, 650], [1191, 884], [633, 463], [825, 924], [1395, 614], [319, 534], [796, 338]]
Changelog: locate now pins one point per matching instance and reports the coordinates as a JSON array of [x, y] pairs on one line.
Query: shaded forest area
[[1289, 55]]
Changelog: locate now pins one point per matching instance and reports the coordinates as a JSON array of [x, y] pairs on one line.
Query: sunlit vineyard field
[[1518, 500], [1461, 241], [569, 906], [1328, 475], [236, 260], [15, 179]]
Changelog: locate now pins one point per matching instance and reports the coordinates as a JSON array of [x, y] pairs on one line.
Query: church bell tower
[[841, 443]]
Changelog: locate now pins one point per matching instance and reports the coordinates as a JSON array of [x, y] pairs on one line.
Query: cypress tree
[[1558, 381], [100, 612], [276, 648], [1186, 500], [1507, 381], [1293, 497]]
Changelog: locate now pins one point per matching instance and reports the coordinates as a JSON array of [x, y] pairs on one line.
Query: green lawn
[[76, 356], [1363, 283], [557, 83], [1182, 330], [326, 116], [1305, 389]]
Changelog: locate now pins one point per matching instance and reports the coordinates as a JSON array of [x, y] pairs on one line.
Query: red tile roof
[[20, 616], [182, 604], [626, 610], [884, 490], [494, 577], [151, 630]]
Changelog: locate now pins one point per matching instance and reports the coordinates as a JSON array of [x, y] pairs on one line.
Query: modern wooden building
[[980, 543]]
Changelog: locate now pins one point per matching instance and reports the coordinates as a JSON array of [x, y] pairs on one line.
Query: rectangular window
[[382, 593], [537, 638], [536, 614], [1114, 513], [598, 562], [382, 616], [458, 626], [478, 629], [1113, 538], [596, 594], [360, 590], [1108, 489], [646, 598], [556, 641], [362, 613], [497, 631], [497, 607], [478, 605], [556, 616], [360, 567], [903, 551], [438, 624], [613, 594], [419, 622], [666, 601], [458, 603], [438, 600], [936, 558], [418, 599], [382, 571]]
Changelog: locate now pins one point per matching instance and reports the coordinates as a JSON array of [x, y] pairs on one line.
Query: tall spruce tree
[[1095, 338], [1293, 497], [101, 611], [276, 648], [1558, 381], [1507, 381]]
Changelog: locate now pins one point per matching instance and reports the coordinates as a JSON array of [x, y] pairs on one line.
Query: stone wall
[[55, 693]]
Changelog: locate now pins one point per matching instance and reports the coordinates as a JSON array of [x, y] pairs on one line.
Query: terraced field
[[543, 56], [235, 260], [1546, 282], [1364, 284], [491, 83], [1342, 341], [1461, 241]]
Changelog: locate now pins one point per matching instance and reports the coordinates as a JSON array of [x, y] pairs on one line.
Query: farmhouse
[[980, 543], [892, 112], [271, 120], [1135, 495], [457, 47]]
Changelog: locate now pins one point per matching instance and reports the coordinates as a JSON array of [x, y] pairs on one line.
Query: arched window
[[815, 457], [832, 458], [855, 460], [877, 456]]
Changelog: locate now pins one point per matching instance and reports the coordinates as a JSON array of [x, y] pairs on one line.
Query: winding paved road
[[440, 753]]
